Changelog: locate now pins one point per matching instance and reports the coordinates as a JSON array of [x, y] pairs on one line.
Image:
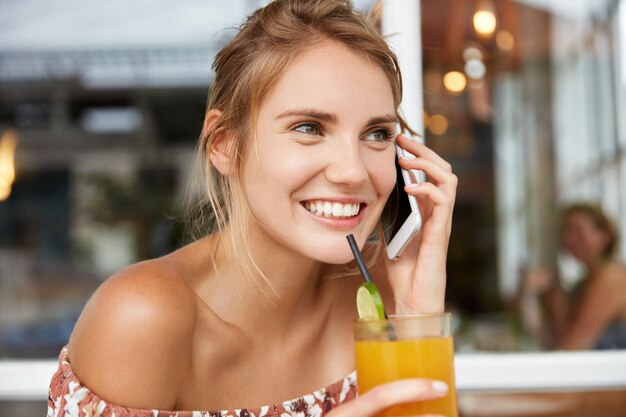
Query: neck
[[282, 291], [594, 264]]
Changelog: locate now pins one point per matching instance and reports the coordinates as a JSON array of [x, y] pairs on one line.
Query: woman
[[298, 152], [593, 315]]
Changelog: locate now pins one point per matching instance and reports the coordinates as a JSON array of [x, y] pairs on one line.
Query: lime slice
[[368, 302]]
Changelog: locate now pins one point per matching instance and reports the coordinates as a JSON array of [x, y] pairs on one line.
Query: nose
[[346, 166]]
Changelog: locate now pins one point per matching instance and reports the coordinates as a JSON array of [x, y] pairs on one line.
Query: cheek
[[568, 245], [566, 237], [599, 240], [271, 172], [572, 239], [290, 169], [382, 170], [388, 182]]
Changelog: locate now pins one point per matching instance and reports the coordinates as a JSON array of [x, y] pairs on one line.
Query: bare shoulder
[[130, 342], [614, 273], [613, 276]]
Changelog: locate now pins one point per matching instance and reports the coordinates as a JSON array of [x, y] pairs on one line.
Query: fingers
[[420, 150], [386, 395], [537, 281], [440, 190], [434, 171], [436, 168], [442, 195], [434, 193]]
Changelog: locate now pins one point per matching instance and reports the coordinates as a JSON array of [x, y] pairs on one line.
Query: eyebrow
[[312, 113], [387, 118], [329, 117]]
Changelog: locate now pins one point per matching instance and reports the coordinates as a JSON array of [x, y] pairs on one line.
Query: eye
[[309, 128], [380, 135]]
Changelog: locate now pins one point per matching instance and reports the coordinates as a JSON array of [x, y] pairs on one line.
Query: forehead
[[579, 219], [334, 78]]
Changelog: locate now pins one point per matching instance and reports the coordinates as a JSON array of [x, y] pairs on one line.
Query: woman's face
[[322, 163], [582, 238]]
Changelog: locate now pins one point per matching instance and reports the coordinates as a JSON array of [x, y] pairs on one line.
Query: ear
[[217, 151]]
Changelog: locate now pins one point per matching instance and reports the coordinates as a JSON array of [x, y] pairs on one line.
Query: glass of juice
[[408, 346]]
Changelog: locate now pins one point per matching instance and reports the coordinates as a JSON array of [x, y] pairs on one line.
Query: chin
[[576, 254], [338, 257], [334, 255], [332, 249]]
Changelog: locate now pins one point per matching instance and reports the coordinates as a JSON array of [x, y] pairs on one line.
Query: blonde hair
[[245, 71]]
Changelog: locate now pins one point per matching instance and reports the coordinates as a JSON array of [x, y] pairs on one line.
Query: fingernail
[[413, 185], [440, 386]]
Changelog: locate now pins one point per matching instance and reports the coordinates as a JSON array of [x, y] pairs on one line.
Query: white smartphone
[[402, 233]]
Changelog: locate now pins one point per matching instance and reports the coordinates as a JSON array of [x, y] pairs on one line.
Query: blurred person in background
[[297, 152], [593, 314]]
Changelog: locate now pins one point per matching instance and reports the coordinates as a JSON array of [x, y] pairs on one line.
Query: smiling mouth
[[332, 209]]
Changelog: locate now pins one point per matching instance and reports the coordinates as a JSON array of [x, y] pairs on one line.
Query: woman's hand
[[392, 393], [538, 281], [418, 277]]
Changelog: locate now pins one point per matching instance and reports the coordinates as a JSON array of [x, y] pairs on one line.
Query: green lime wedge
[[368, 302]]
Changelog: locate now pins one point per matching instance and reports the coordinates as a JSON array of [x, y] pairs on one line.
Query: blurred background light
[[475, 69], [5, 189], [505, 40], [471, 52], [438, 124], [8, 143], [484, 22], [455, 82]]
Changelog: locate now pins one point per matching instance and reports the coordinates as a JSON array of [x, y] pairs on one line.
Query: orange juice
[[380, 361]]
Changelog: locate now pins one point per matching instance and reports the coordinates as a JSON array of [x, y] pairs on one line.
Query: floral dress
[[68, 397]]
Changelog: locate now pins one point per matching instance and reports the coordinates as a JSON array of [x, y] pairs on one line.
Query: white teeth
[[337, 210], [328, 208], [332, 209]]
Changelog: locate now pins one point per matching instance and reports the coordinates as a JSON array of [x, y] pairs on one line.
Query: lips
[[332, 209]]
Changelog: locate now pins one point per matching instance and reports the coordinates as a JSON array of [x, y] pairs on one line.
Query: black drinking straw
[[359, 258], [361, 263]]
